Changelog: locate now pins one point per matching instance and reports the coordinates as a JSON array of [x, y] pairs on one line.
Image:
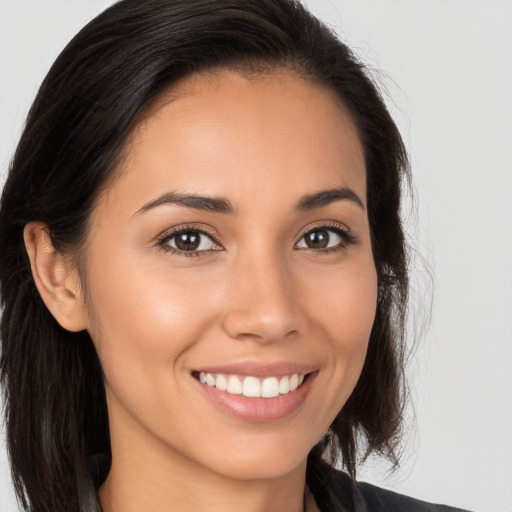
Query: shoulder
[[375, 498], [334, 491]]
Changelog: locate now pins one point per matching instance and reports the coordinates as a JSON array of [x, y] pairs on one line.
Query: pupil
[[318, 239], [188, 241]]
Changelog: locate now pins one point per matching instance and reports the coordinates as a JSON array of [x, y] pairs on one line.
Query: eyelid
[[338, 227], [166, 235], [341, 230], [326, 225]]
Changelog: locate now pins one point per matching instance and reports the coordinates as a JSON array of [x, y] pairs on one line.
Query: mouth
[[256, 394], [252, 386]]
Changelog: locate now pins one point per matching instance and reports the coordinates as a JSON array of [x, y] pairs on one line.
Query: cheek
[[142, 324], [144, 328], [345, 315], [345, 303], [356, 317]]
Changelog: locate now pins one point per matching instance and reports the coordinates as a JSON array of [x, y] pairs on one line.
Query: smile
[[255, 393], [254, 387]]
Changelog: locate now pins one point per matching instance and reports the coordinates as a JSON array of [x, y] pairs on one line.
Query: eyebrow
[[221, 205], [325, 197], [209, 204]]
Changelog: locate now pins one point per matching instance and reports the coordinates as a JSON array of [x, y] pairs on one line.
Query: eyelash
[[348, 239], [163, 240]]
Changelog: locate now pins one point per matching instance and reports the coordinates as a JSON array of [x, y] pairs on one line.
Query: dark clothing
[[333, 490]]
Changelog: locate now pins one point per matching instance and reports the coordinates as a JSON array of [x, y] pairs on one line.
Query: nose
[[262, 305]]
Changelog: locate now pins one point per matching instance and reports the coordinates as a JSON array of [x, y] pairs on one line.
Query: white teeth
[[270, 387], [294, 382], [234, 385], [284, 385], [253, 387], [221, 382]]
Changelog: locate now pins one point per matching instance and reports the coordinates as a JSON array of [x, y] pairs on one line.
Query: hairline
[[250, 69]]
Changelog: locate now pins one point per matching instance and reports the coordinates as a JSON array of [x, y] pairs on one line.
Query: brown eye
[[325, 238], [190, 241], [317, 239]]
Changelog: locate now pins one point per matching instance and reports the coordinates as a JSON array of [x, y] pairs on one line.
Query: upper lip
[[259, 369]]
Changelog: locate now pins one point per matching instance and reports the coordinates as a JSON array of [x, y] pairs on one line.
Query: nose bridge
[[263, 305]]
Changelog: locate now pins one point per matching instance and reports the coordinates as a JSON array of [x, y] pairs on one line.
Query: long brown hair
[[91, 99]]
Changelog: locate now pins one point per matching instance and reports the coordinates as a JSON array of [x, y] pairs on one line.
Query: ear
[[56, 279]]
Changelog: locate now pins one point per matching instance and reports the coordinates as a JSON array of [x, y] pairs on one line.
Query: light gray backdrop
[[446, 66]]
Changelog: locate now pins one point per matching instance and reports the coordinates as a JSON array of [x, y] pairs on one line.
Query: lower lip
[[259, 409]]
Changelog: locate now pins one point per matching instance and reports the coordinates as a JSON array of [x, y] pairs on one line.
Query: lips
[[255, 392]]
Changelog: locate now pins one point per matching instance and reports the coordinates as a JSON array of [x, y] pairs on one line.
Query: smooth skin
[[257, 288]]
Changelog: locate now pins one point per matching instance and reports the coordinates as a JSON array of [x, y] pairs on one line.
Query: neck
[[135, 489], [145, 475]]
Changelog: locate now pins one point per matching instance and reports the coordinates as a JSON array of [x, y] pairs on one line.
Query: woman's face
[[233, 247]]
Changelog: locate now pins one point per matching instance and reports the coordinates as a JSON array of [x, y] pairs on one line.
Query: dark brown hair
[[93, 96]]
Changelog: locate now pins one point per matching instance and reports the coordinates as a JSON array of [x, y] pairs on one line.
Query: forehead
[[229, 134]]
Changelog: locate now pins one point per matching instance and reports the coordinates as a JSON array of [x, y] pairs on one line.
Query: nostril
[[254, 324]]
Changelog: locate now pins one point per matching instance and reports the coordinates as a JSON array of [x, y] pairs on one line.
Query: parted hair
[[94, 95]]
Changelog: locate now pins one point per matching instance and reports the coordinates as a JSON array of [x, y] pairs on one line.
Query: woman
[[203, 270]]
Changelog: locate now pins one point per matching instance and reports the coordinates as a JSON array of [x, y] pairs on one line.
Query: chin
[[259, 458]]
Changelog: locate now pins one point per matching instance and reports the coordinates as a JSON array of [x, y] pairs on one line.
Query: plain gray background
[[446, 67]]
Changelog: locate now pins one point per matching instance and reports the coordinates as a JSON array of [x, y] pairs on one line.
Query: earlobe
[[56, 279]]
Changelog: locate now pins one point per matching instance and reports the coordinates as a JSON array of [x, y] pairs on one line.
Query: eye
[[188, 241], [326, 238]]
